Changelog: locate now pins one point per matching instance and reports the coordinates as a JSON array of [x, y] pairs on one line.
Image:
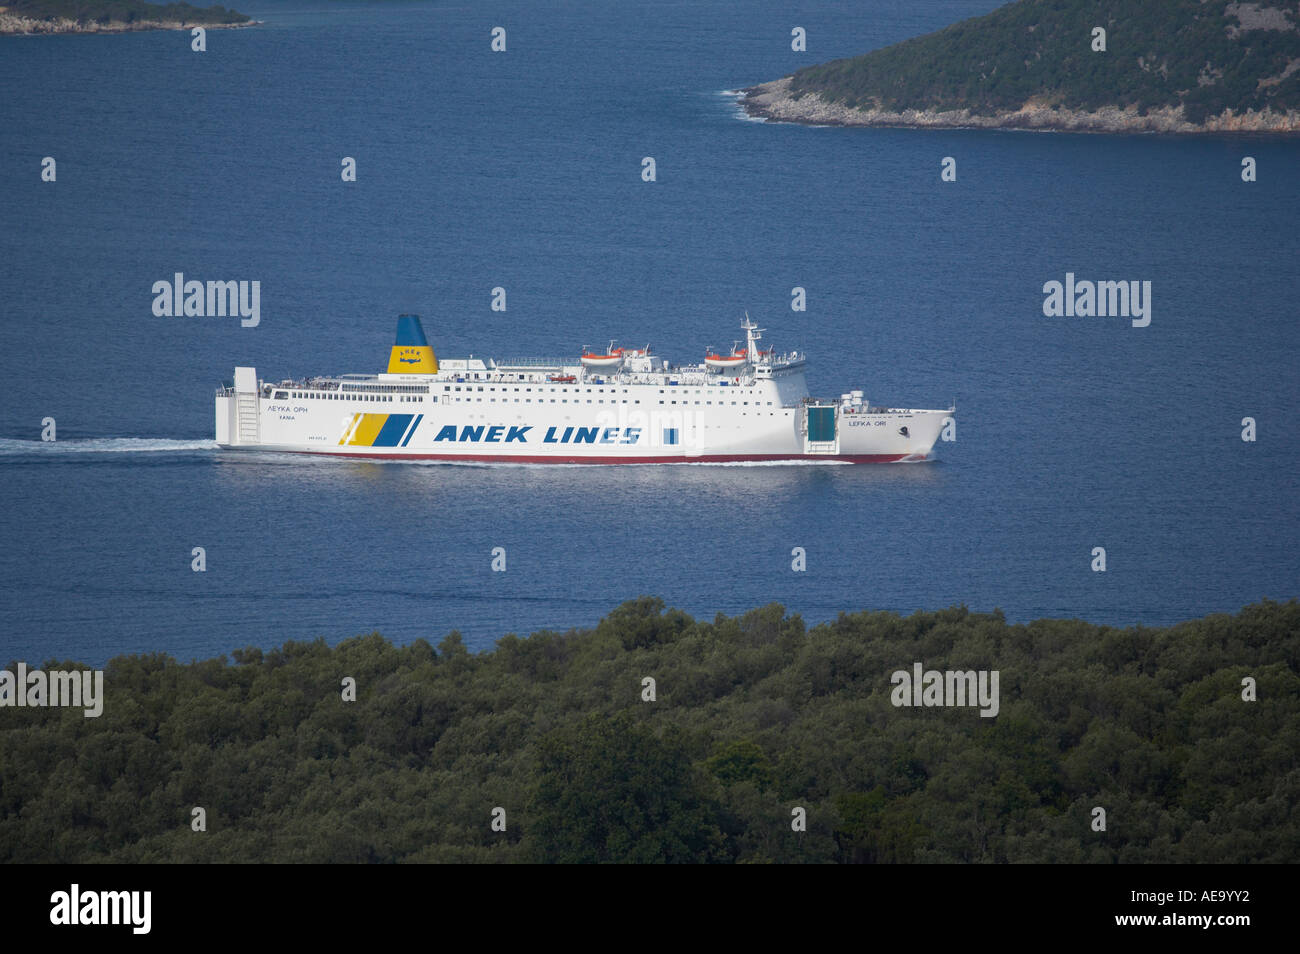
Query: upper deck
[[630, 368], [626, 367]]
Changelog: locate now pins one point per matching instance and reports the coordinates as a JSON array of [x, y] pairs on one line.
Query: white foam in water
[[101, 445], [736, 94]]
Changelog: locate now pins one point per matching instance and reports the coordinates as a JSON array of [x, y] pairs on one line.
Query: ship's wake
[[10, 447]]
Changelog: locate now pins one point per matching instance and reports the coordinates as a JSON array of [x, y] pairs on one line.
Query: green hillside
[[119, 11], [753, 717], [1206, 55]]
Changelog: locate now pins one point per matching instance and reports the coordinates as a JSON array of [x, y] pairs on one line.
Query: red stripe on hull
[[556, 459]]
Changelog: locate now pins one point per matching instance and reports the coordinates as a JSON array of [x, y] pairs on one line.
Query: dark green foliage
[[1165, 53], [610, 790], [121, 11], [755, 716], [742, 761]]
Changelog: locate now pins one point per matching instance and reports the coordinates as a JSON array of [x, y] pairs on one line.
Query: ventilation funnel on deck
[[411, 353]]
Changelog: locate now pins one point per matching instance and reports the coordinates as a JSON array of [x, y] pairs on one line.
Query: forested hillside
[[753, 717], [119, 11], [1206, 56]]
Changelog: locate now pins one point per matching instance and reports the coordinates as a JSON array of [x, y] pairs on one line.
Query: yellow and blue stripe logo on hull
[[380, 430], [411, 353]]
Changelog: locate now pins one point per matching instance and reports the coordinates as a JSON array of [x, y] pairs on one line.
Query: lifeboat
[[611, 359], [724, 361], [561, 379], [733, 360]]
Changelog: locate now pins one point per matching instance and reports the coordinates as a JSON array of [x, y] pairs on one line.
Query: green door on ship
[[821, 424]]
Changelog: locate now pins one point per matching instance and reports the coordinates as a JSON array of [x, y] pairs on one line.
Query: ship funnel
[[411, 353]]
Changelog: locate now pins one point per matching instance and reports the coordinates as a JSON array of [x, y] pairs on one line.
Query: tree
[[609, 790]]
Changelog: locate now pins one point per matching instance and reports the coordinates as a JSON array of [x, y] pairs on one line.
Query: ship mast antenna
[[753, 334]]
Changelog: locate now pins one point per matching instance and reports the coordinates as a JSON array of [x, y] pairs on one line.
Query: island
[[1178, 66], [111, 16]]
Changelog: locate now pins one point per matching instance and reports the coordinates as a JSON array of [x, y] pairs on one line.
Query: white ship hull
[[553, 412]]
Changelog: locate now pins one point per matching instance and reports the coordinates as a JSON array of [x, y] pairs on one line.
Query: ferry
[[617, 406]]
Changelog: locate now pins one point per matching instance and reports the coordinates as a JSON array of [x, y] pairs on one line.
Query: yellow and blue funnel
[[411, 353]]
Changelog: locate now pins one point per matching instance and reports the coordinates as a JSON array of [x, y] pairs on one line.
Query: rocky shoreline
[[25, 26], [774, 102]]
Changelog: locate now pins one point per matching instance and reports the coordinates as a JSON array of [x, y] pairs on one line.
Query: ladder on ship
[[246, 418]]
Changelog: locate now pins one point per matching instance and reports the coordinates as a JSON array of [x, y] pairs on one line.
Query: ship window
[[281, 395]]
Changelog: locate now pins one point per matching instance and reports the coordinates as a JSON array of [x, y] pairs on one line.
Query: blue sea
[[522, 170]]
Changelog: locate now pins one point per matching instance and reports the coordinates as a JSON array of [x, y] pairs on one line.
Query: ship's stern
[[238, 412]]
